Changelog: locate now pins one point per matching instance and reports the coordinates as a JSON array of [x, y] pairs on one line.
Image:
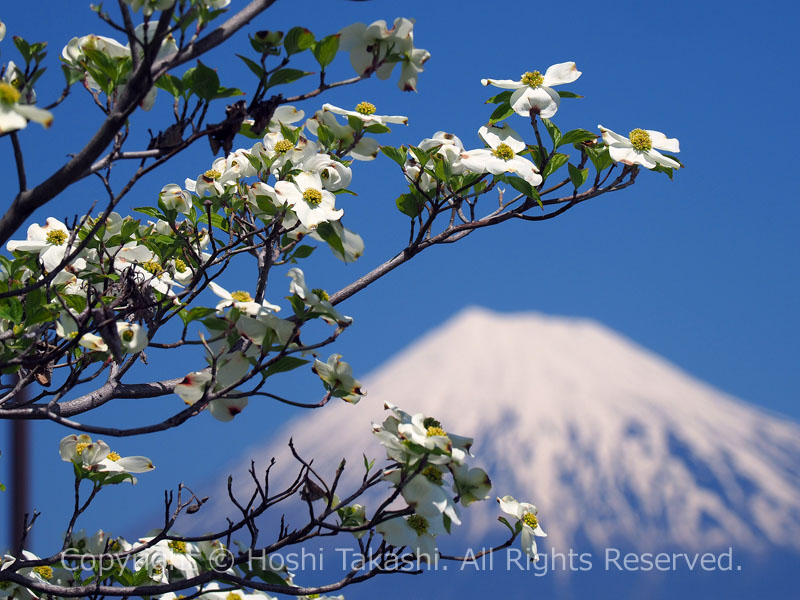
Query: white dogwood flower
[[14, 114], [502, 155], [98, 457], [639, 148], [316, 299], [132, 337], [534, 92], [338, 378], [416, 532], [526, 514], [366, 112], [241, 301], [175, 197], [309, 200], [50, 242]]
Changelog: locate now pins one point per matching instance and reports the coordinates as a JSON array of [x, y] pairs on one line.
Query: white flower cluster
[[424, 455], [533, 94]]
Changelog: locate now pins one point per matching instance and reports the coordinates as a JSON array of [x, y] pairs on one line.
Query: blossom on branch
[[534, 93]]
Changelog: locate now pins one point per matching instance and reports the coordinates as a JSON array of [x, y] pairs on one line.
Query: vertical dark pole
[[20, 477]]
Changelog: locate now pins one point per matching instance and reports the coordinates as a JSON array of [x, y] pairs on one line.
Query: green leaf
[[662, 169], [355, 123], [328, 233], [256, 68], [502, 97], [71, 75], [408, 204], [216, 220], [24, 48], [554, 131], [151, 211], [228, 92], [505, 522], [204, 82], [325, 50], [442, 168], [78, 303], [523, 187], [368, 464], [577, 176], [170, 84], [286, 76], [501, 112], [556, 161], [297, 40], [377, 128], [284, 364], [215, 324], [325, 135], [129, 227], [564, 94], [195, 314], [599, 156], [11, 309], [303, 251], [398, 155], [447, 522], [576, 136], [423, 157]]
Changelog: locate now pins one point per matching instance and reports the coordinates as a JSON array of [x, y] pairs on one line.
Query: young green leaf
[[501, 112], [577, 176], [297, 40], [284, 76], [398, 155], [556, 161], [576, 136], [554, 131], [325, 50]]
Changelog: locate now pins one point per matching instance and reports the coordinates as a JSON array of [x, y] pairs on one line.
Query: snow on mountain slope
[[611, 442]]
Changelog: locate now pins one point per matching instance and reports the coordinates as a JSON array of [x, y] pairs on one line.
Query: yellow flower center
[[212, 174], [177, 547], [81, 446], [113, 456], [433, 474], [321, 294], [241, 296], [530, 520], [418, 523], [127, 335], [153, 267], [365, 108], [44, 571], [640, 140], [503, 151], [233, 596], [432, 431], [532, 78], [284, 146], [180, 266], [57, 237], [312, 196], [8, 93]]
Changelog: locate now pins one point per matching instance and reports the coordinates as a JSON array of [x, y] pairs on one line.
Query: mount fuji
[[613, 443]]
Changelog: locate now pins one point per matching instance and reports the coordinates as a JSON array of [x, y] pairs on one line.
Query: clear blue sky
[[702, 270]]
